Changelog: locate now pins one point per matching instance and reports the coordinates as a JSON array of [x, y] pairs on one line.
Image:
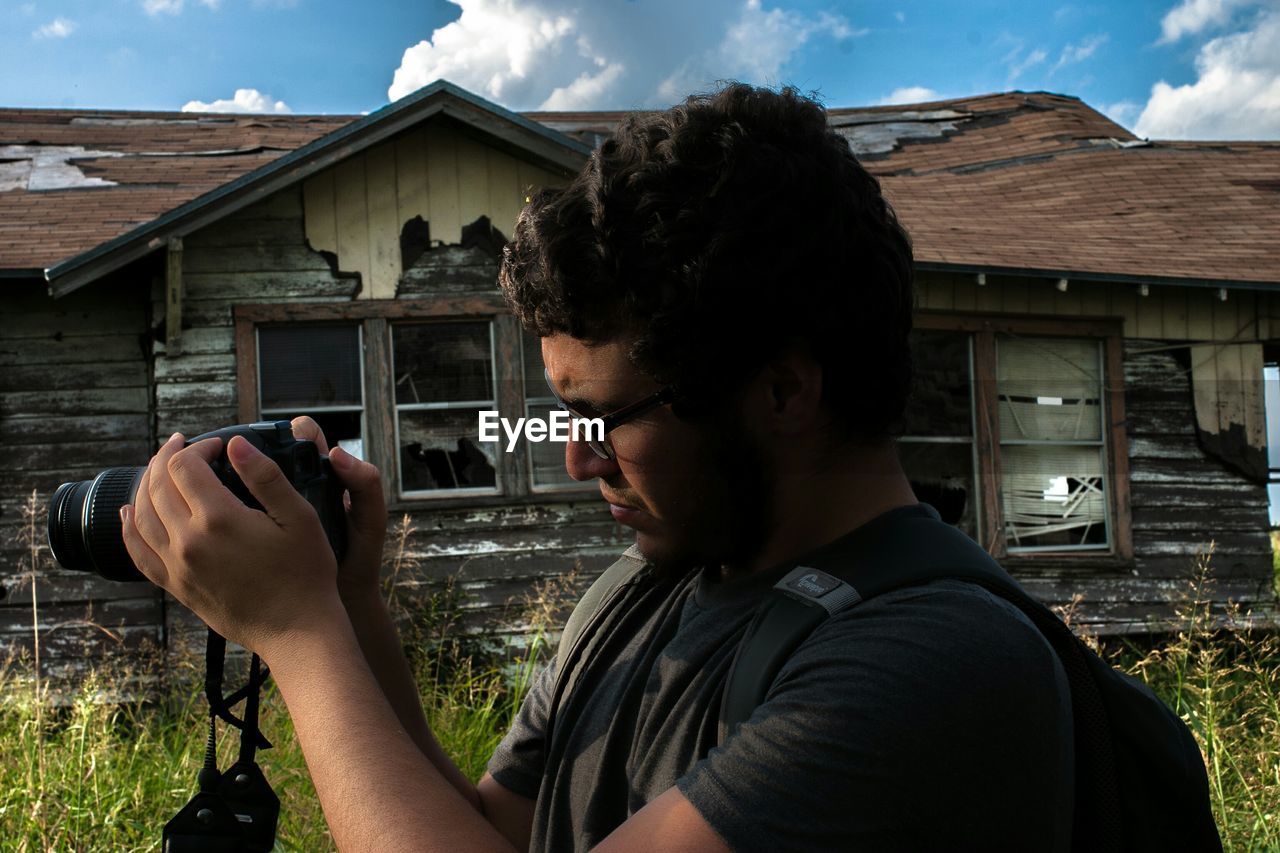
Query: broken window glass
[[444, 378], [1052, 448], [937, 449]]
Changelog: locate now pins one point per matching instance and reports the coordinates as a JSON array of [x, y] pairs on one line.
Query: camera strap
[[234, 810]]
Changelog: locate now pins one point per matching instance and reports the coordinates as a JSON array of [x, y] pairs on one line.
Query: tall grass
[[1221, 673], [90, 767], [96, 770]]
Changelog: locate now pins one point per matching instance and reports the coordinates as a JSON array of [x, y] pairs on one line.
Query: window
[[1015, 433], [444, 378], [401, 383], [1052, 451], [316, 371], [937, 449]]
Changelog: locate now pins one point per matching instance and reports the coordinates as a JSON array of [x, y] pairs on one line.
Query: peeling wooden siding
[[75, 398], [438, 172], [1181, 501]]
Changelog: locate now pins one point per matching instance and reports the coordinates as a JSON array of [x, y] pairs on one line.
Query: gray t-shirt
[[931, 717]]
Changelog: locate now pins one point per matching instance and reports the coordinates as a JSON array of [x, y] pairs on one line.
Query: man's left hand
[[257, 577]]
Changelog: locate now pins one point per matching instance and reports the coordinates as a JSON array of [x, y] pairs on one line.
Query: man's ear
[[792, 384]]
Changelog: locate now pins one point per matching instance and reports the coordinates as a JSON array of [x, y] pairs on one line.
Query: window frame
[[375, 318], [984, 328]]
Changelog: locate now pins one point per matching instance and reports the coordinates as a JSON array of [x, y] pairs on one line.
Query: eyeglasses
[[602, 446]]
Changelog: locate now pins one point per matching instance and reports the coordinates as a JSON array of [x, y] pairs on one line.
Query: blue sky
[[1166, 68]]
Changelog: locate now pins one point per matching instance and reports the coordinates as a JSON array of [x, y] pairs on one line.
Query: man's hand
[[258, 577], [366, 513]]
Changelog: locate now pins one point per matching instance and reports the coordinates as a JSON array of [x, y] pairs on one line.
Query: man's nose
[[582, 463]]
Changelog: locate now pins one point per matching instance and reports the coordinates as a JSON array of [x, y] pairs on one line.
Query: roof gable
[[162, 175]]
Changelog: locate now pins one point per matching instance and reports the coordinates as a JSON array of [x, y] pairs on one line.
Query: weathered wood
[[1199, 522], [203, 341], [379, 440], [200, 313], [277, 258], [64, 587], [460, 306], [37, 429], [1122, 542], [1170, 471], [62, 377], [281, 285], [513, 469], [76, 646], [246, 358], [383, 221], [173, 290], [516, 540], [108, 401], [412, 196], [443, 193], [79, 349], [195, 395], [208, 367], [350, 200], [1030, 325], [470, 520], [284, 204], [241, 232], [55, 321], [1165, 447], [195, 420], [72, 454], [987, 442], [319, 215], [109, 614]]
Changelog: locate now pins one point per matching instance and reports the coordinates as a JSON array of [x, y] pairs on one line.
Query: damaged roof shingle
[[1017, 180], [138, 165]]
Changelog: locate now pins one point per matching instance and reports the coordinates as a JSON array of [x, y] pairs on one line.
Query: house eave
[[1111, 278]]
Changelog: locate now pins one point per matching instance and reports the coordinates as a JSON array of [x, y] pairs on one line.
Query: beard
[[733, 501]]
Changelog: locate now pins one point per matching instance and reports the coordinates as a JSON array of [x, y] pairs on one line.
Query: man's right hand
[[366, 514]]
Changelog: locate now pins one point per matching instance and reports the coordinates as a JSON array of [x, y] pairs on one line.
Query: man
[[726, 276]]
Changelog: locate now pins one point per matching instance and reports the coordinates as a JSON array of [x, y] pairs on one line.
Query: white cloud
[[1016, 68], [578, 54], [173, 7], [1074, 53], [58, 28], [1236, 94], [1192, 16], [910, 95], [245, 101]]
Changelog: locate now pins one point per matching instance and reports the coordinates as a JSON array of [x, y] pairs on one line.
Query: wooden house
[[1095, 314]]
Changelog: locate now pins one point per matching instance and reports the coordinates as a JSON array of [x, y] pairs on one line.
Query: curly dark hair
[[713, 236]]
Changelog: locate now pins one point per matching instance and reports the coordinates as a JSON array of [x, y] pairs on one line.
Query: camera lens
[[84, 524]]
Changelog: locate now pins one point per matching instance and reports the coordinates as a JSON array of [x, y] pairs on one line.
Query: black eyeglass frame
[[604, 448]]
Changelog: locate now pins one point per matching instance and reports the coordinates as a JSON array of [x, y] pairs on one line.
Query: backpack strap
[[893, 553], [579, 629]]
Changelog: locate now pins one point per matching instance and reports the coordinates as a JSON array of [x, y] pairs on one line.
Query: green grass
[[102, 775]]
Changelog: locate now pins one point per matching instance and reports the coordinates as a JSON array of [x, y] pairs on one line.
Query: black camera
[[84, 517]]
